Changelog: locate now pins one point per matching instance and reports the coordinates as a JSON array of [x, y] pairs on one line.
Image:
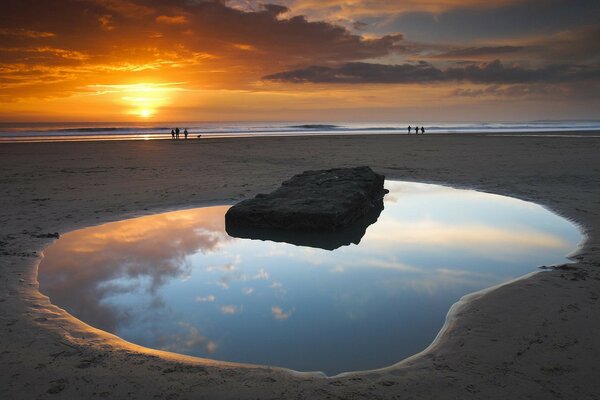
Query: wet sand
[[534, 338]]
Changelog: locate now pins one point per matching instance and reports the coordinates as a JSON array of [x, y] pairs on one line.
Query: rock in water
[[313, 201]]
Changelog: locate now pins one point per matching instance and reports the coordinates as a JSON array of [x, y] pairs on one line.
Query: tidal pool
[[178, 282]]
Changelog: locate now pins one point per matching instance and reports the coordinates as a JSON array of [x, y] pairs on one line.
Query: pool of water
[[178, 282]]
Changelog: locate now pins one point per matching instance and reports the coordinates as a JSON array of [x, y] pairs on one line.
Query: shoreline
[[579, 133], [264, 173]]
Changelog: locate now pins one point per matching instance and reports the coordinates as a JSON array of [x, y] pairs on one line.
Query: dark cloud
[[56, 47], [524, 18], [503, 91], [362, 73], [359, 25], [478, 52], [423, 72], [105, 28], [581, 44]]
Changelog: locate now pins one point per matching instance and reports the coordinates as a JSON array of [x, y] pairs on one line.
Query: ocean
[[78, 131]]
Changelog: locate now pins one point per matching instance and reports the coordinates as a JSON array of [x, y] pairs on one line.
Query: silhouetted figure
[[416, 129], [172, 133], [422, 130], [409, 128], [177, 133], [185, 133]]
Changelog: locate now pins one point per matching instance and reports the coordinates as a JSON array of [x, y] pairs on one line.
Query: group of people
[[416, 129], [175, 133]]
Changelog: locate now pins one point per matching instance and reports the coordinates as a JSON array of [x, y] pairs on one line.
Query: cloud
[[503, 91], [579, 45], [424, 72], [469, 53], [206, 43], [351, 9], [54, 54], [248, 291], [148, 30], [172, 20], [28, 33]]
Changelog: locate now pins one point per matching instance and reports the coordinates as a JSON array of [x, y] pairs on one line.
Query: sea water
[[76, 131]]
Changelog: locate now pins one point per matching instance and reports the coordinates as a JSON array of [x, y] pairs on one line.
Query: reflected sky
[[178, 282]]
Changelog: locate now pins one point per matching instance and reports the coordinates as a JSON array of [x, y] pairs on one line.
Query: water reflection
[[142, 254], [179, 282]]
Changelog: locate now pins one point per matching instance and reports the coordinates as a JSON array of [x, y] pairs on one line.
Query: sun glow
[[145, 113], [142, 100]]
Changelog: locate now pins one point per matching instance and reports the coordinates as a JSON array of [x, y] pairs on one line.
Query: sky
[[299, 60]]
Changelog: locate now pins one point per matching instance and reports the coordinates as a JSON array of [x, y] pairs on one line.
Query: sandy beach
[[537, 337]]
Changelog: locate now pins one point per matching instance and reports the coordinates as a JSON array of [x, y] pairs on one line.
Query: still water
[[178, 282]]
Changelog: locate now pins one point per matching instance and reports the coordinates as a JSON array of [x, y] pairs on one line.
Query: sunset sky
[[317, 60]]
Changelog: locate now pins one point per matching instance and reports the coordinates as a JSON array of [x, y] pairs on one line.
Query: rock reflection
[[323, 240], [85, 267]]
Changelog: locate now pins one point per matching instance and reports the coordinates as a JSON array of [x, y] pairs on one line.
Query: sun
[[140, 100]]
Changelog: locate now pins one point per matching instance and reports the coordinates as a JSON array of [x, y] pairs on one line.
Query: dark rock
[[323, 240], [54, 235], [340, 200], [58, 386]]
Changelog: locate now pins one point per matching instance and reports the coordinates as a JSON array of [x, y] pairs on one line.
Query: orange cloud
[[352, 9], [175, 20], [55, 55], [26, 33]]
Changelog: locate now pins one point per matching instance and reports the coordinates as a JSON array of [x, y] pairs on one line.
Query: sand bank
[[534, 338]]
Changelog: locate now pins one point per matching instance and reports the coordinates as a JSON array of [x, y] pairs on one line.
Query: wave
[[316, 126], [99, 131], [107, 129]]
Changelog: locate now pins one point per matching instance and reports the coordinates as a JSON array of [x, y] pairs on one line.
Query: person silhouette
[[185, 133], [409, 128], [177, 133], [422, 130], [417, 130], [172, 133]]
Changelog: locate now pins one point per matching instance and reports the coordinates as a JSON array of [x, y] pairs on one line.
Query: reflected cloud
[[396, 265], [279, 314], [189, 339], [208, 299], [248, 291], [431, 232], [85, 268], [230, 309], [228, 267], [224, 282], [432, 282], [262, 274]]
